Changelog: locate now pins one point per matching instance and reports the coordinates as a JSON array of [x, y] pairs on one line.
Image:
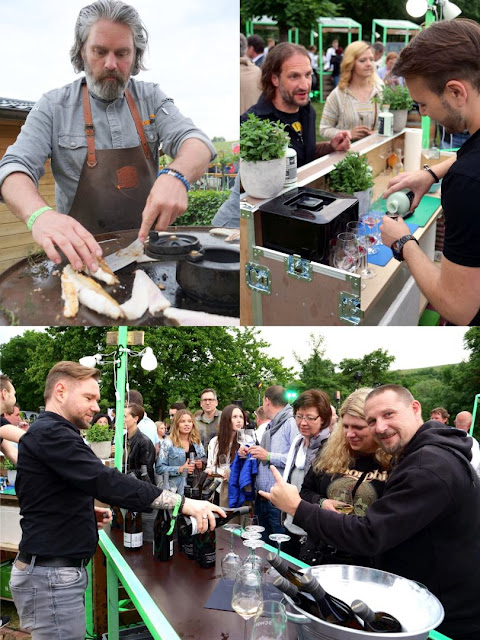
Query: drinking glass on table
[[372, 219], [231, 562], [270, 622], [361, 232], [345, 252], [247, 594]]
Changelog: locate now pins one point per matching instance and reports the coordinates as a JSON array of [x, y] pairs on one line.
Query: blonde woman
[[350, 470], [173, 457], [350, 106]]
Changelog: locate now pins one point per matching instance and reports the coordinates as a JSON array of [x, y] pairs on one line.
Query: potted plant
[[11, 470], [399, 100], [99, 438], [353, 176], [263, 145]]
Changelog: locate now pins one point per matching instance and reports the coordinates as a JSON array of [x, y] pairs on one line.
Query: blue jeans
[[50, 600], [268, 517]]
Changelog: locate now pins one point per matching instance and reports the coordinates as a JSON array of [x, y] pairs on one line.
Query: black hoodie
[[425, 527]]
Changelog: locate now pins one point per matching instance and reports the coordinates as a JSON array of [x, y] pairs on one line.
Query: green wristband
[[176, 509], [35, 215], [269, 455]]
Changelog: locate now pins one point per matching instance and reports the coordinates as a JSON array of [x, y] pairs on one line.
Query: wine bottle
[[187, 492], [332, 609], [202, 478], [210, 489], [205, 548], [187, 525], [132, 531], [278, 563], [399, 203], [300, 599], [162, 542], [117, 518], [376, 621]]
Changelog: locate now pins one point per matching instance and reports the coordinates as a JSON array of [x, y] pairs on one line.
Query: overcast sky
[[413, 347], [193, 54]]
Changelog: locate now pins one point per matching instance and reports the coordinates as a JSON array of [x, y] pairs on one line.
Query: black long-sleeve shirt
[[58, 478]]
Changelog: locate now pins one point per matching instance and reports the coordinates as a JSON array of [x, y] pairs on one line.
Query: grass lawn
[[318, 110]]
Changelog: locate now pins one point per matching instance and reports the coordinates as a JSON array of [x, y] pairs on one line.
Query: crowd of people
[[375, 486]]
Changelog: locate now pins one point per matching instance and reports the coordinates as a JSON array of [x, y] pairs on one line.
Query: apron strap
[[89, 130], [138, 123]]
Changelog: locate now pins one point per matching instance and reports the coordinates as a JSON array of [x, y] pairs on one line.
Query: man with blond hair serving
[[425, 526], [446, 88], [58, 478]]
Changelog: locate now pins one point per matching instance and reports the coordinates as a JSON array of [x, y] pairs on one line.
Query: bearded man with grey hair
[[103, 133]]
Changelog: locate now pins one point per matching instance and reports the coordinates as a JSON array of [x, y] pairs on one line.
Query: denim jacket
[[170, 458]]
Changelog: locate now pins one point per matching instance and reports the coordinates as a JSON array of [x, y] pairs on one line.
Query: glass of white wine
[[247, 594]]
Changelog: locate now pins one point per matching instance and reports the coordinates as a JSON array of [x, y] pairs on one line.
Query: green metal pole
[[112, 602], [429, 18], [89, 603], [121, 366], [474, 413]]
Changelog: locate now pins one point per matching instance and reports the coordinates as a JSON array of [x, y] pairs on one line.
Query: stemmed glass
[[372, 220], [246, 437], [360, 229], [253, 560], [247, 594], [346, 496], [231, 562], [279, 538], [270, 622], [345, 252]]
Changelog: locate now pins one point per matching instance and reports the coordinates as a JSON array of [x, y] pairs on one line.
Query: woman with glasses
[[312, 413], [347, 477]]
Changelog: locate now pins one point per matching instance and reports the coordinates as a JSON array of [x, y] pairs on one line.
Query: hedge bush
[[202, 206]]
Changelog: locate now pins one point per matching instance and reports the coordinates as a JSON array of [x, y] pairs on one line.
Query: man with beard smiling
[[58, 478], [286, 83], [103, 134], [446, 87], [425, 526]]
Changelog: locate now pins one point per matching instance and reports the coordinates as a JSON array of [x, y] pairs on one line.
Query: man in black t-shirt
[[447, 88], [286, 84]]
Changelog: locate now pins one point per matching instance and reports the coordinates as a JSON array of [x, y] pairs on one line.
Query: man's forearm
[[21, 195], [11, 432], [192, 159], [441, 168], [10, 451]]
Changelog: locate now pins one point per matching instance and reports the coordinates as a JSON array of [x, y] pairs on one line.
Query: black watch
[[397, 246], [426, 167]]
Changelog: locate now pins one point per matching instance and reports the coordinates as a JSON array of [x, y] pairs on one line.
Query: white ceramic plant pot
[[12, 476], [399, 120], [364, 200], [101, 449], [263, 179]]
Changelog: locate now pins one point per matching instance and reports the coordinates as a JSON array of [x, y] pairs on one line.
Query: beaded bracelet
[[175, 174], [35, 215], [176, 509]]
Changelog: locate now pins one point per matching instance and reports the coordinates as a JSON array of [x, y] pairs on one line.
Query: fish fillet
[[145, 295], [92, 295], [187, 318], [103, 272], [69, 295]]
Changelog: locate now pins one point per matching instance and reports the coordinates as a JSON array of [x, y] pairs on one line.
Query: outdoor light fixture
[[447, 10], [91, 361], [148, 361]]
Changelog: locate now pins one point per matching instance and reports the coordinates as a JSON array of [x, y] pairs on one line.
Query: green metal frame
[[429, 18], [390, 26], [338, 25], [266, 21], [474, 412], [119, 570], [121, 366]]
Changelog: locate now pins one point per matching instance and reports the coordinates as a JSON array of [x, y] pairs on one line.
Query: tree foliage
[[189, 360], [317, 371]]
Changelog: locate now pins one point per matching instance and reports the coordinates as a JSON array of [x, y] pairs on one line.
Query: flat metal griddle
[[30, 290]]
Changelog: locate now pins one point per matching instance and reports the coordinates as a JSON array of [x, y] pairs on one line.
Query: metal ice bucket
[[418, 610]]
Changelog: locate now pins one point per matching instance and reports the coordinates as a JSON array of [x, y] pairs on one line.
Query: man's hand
[[53, 229], [198, 509], [341, 141], [417, 181], [360, 132], [167, 200], [258, 452], [329, 505], [104, 516], [283, 495], [393, 230]]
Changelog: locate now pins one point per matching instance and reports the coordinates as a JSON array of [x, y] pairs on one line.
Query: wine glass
[[372, 219], [241, 437], [250, 521], [279, 538], [253, 559], [345, 496], [247, 594], [231, 562], [270, 622], [249, 437], [359, 228]]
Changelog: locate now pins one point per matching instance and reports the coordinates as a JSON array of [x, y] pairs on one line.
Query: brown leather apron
[[114, 183]]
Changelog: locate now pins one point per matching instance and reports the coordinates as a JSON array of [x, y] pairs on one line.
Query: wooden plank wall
[[16, 241]]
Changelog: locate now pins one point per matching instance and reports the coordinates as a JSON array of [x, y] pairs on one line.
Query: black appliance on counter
[[306, 221]]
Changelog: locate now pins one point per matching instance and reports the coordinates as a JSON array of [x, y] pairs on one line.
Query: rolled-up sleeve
[[174, 128], [33, 145]]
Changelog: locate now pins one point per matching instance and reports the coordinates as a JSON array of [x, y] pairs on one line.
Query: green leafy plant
[[202, 206], [99, 433], [351, 174], [8, 464], [397, 97], [262, 139]]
